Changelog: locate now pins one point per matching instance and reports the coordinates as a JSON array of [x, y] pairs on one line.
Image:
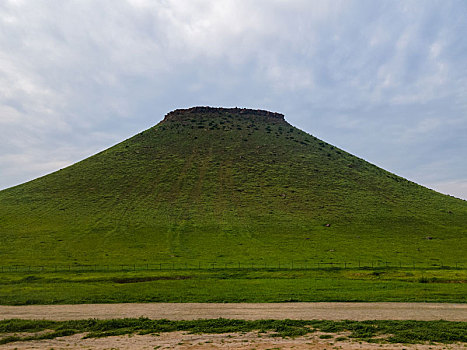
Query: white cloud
[[376, 78]]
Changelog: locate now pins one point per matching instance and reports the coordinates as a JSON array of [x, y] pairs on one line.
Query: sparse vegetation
[[385, 331]]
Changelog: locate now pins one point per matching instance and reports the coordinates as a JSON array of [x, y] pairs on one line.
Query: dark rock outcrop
[[180, 114]]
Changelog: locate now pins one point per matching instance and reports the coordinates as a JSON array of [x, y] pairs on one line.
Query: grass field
[[370, 331], [234, 285]]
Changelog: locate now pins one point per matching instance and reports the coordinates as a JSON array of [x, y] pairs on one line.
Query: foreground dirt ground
[[179, 340], [244, 311], [252, 340]]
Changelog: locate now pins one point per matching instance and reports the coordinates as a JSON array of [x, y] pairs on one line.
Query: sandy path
[[246, 311]]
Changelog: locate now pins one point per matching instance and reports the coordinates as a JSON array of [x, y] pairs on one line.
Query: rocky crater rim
[[205, 110]]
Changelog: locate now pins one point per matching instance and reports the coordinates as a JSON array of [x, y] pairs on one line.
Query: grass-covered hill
[[227, 185]]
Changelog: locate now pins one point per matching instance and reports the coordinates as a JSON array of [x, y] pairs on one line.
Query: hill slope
[[214, 184]]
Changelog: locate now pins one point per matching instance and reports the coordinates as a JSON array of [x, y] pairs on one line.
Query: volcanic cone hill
[[227, 185]]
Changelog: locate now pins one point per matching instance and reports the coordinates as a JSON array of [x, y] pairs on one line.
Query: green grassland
[[234, 285], [371, 331], [227, 186]]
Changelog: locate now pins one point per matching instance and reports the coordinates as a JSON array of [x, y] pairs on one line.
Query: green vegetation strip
[[383, 285], [370, 331]]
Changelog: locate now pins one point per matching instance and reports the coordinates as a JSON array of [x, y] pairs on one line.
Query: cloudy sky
[[384, 80]]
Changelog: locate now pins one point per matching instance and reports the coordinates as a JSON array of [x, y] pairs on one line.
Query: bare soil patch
[[180, 340]]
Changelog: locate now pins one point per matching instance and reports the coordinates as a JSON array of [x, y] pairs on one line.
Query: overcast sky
[[384, 80]]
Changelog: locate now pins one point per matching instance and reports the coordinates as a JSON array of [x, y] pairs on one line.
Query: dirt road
[[246, 311]]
